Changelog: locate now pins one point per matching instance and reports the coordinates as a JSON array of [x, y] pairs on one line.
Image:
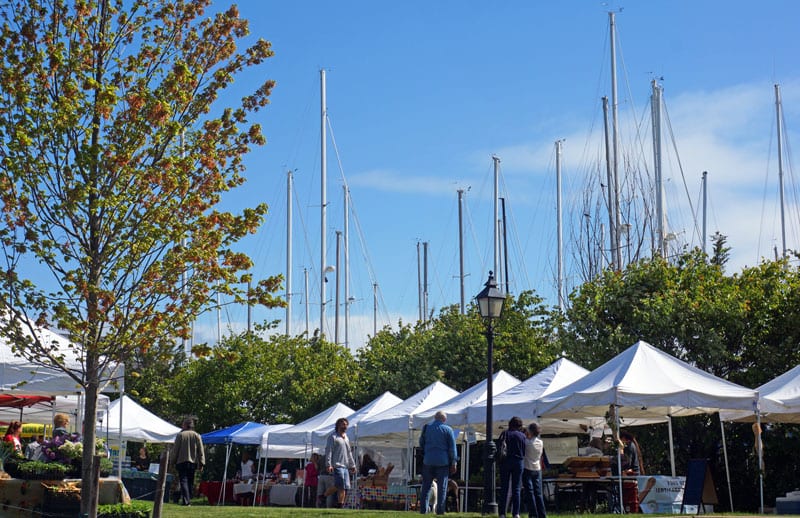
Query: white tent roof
[[646, 382], [456, 408], [21, 376], [138, 424], [379, 404], [42, 413], [521, 399], [394, 425], [296, 440], [778, 400]]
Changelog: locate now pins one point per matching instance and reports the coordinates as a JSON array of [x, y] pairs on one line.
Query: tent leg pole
[[671, 445], [727, 469], [619, 463], [760, 464], [119, 463]]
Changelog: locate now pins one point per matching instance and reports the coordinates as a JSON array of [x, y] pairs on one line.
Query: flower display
[[52, 448]]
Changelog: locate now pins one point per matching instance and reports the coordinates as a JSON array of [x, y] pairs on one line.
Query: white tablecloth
[[284, 494], [243, 487]]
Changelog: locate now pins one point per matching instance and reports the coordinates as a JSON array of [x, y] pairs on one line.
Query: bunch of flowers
[[71, 450], [52, 448]]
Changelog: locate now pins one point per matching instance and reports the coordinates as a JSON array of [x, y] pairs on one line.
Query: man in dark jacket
[[189, 457]]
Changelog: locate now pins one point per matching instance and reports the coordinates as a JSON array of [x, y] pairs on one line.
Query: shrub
[[134, 509]]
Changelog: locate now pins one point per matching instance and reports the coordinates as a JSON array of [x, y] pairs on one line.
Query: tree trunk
[[89, 485]]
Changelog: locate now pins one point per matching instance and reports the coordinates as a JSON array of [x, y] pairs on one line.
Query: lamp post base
[[490, 509]]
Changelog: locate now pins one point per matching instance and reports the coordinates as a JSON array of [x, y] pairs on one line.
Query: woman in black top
[[511, 467], [142, 461]]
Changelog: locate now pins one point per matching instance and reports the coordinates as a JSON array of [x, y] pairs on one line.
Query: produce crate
[[61, 500]]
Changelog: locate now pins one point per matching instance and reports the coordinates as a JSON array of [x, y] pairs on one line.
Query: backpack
[[502, 448]]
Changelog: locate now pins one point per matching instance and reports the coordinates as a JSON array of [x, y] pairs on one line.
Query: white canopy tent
[[393, 428], [778, 401], [521, 400], [456, 410], [457, 407], [42, 413], [137, 423], [383, 402], [19, 375], [295, 442], [22, 376], [643, 382]]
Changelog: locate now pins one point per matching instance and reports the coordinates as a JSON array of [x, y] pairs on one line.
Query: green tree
[[278, 379], [526, 340], [395, 360], [110, 231], [452, 348], [741, 327]]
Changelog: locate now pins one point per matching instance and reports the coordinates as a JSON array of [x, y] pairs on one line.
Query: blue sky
[[421, 95]]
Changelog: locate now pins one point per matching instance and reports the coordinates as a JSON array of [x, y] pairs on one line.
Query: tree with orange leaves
[[113, 158]]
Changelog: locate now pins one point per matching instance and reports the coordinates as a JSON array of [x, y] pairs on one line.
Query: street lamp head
[[490, 299]]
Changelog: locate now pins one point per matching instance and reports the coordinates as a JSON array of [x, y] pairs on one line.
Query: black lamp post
[[490, 304]]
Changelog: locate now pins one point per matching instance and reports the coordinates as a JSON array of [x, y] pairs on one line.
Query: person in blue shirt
[[439, 460]]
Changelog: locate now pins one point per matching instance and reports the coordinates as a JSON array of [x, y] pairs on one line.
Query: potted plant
[[38, 470], [8, 455], [135, 509]]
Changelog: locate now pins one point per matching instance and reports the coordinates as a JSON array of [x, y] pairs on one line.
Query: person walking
[[339, 460], [511, 467], [439, 460], [311, 480], [189, 457], [532, 473]]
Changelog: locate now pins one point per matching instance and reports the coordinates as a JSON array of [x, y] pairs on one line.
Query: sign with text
[[662, 495], [558, 449]]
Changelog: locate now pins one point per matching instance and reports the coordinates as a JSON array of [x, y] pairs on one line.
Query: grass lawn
[[207, 511], [202, 510]]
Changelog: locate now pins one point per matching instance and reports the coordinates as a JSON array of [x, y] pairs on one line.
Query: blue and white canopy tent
[[248, 433]]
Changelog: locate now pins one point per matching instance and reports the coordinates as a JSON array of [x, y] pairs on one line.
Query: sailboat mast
[[419, 284], [615, 139], [559, 228], [323, 199], [655, 107], [705, 209], [425, 282], [779, 119], [496, 216], [374, 309], [610, 195], [336, 297], [346, 246], [505, 245], [288, 253], [308, 321], [461, 248]]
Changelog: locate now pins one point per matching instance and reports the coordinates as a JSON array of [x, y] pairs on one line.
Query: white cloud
[[396, 182]]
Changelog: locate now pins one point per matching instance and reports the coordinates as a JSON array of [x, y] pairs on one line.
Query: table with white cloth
[[243, 491], [285, 494]]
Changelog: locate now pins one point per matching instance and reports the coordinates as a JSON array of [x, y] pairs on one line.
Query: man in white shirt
[[532, 473]]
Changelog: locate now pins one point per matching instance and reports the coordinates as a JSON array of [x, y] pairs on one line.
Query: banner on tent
[[30, 430]]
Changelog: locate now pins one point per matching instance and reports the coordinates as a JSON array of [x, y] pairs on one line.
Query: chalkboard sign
[[699, 487]]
